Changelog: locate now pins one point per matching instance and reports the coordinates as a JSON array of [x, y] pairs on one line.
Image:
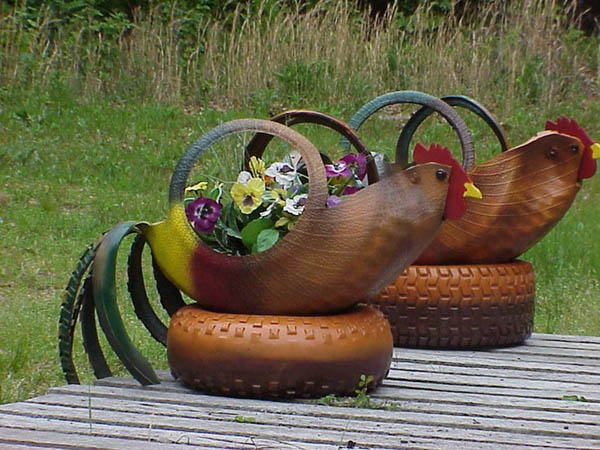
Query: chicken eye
[[574, 148], [441, 174]]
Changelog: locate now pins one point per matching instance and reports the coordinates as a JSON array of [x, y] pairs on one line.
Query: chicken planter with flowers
[[468, 289], [276, 263]]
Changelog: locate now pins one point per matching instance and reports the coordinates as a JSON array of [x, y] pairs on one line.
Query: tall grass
[[527, 52]]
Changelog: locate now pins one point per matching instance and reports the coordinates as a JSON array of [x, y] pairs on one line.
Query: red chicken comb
[[569, 127], [457, 183], [436, 153]]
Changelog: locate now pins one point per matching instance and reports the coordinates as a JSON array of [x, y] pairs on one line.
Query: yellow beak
[[472, 191], [595, 151]]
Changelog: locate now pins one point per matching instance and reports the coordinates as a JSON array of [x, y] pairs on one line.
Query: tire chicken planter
[[281, 322], [467, 289]]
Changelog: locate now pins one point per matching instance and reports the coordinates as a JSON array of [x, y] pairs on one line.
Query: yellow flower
[[257, 167], [248, 196], [277, 195]]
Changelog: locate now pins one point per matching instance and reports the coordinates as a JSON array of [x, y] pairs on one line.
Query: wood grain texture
[[526, 191], [506, 398]]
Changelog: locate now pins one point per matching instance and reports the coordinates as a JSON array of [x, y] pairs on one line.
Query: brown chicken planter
[[467, 289], [289, 313]]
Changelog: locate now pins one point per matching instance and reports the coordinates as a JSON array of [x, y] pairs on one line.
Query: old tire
[[278, 356], [460, 306]]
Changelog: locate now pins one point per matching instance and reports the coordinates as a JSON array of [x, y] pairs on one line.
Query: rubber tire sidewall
[[460, 306], [278, 356]]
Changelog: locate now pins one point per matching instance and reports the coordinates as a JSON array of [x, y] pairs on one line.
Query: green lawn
[[70, 170]]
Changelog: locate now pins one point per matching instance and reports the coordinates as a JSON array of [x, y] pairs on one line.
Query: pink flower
[[338, 169], [359, 160]]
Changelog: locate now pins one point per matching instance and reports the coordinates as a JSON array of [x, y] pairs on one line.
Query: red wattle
[[587, 168]]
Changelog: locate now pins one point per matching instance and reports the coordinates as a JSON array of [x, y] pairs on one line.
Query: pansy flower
[[257, 167], [338, 169], [248, 196], [282, 172], [359, 161], [274, 197], [295, 205], [203, 214]]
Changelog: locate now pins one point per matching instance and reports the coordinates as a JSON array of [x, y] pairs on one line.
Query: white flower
[[283, 173], [244, 177], [296, 204]]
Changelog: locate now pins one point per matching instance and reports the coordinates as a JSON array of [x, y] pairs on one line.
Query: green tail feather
[[103, 281], [69, 312]]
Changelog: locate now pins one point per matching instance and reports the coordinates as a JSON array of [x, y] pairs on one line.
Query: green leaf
[[244, 419], [574, 398], [251, 231], [266, 239]]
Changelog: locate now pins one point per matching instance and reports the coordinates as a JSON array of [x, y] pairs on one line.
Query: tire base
[[245, 355], [460, 306]]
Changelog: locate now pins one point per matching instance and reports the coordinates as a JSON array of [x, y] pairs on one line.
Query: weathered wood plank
[[16, 438], [412, 391], [475, 360], [466, 418], [328, 432], [494, 379], [564, 338], [521, 373], [489, 399], [539, 354], [474, 410], [571, 352]]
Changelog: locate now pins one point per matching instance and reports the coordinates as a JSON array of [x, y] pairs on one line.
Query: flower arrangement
[[265, 202]]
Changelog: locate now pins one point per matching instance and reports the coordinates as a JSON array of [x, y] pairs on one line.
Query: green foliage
[[531, 80], [360, 400], [303, 82], [574, 398]]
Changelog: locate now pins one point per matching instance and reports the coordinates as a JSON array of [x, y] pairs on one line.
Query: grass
[[91, 131]]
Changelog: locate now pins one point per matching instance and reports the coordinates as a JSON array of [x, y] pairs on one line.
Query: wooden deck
[[518, 397]]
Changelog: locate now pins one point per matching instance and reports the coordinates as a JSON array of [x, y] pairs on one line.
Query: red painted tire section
[[278, 356], [460, 306]]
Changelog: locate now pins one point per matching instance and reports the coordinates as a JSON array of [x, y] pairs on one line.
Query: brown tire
[[278, 356], [460, 306]]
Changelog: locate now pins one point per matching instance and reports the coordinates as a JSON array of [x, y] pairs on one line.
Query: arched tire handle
[[259, 142], [103, 281], [402, 146], [426, 100], [317, 191]]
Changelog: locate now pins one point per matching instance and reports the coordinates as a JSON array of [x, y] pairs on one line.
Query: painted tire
[[245, 355], [460, 306]]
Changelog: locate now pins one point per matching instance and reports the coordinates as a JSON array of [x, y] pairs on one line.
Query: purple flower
[[338, 169], [332, 201], [348, 190], [203, 214], [359, 160]]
